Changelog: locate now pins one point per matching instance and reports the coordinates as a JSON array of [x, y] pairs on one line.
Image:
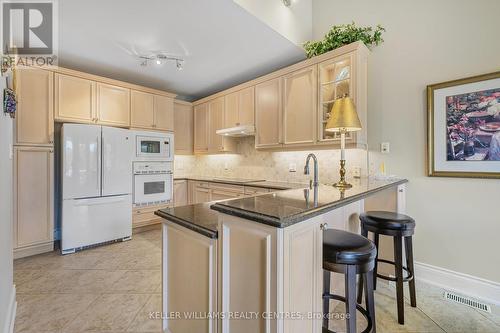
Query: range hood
[[243, 130]]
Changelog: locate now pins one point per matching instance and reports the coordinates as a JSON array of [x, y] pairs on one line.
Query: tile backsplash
[[257, 164]]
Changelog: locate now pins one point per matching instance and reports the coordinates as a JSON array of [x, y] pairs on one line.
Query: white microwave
[[154, 146]]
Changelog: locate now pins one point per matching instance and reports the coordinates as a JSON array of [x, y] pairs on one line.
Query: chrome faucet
[[306, 168]]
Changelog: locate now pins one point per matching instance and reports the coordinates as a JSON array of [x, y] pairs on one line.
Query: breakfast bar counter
[[259, 255]]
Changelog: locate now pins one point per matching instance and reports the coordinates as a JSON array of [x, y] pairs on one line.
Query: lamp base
[[342, 184]]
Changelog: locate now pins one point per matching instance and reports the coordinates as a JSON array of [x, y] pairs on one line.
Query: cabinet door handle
[[323, 226]]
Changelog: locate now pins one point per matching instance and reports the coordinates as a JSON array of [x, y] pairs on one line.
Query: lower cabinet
[[180, 192], [144, 216], [201, 194], [33, 200]]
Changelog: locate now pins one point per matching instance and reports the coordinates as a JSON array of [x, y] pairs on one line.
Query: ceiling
[[222, 44]]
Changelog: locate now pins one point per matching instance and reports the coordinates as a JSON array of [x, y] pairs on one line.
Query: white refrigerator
[[96, 185]]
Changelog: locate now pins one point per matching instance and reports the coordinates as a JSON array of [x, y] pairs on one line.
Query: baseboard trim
[[464, 284], [33, 250], [11, 312]]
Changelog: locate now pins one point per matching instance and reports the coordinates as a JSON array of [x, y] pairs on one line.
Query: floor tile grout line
[[138, 312]]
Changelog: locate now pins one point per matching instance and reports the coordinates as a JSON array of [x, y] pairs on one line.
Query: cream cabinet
[[216, 122], [145, 216], [201, 119], [299, 107], [33, 200], [34, 124], [183, 124], [113, 105], [189, 279], [268, 114], [180, 192], [239, 108], [142, 109], [75, 99], [201, 194], [164, 113], [150, 111]]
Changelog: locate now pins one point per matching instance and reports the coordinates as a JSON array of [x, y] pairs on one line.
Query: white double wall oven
[[153, 169]]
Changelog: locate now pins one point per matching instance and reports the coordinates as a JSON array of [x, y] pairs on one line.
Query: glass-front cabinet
[[335, 81]]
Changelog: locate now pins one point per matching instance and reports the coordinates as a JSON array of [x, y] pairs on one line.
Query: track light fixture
[[160, 59]]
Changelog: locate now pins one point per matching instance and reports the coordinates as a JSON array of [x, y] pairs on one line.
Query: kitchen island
[[254, 264]]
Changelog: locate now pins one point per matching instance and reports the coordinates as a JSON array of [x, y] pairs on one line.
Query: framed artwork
[[463, 127]]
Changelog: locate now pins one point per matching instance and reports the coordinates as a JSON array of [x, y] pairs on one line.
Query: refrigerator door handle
[[99, 164], [98, 201]]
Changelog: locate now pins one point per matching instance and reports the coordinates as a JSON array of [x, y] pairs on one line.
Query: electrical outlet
[[385, 148], [356, 172], [226, 165], [292, 167]]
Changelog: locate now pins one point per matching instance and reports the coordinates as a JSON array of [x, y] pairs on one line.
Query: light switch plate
[[292, 167], [385, 148]]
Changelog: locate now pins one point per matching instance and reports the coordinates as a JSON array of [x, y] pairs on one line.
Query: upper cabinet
[[239, 108], [208, 118], [150, 111], [164, 113], [292, 105], [268, 114], [113, 105], [35, 112], [142, 109], [201, 120], [299, 106], [183, 123], [75, 99]]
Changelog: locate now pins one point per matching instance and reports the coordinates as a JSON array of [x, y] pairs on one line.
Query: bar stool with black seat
[[349, 254], [400, 227]]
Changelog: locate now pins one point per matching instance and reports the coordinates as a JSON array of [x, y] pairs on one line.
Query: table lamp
[[343, 119]]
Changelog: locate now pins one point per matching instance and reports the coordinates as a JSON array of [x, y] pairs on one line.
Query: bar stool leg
[[364, 233], [350, 296], [369, 299], [326, 302], [375, 240], [398, 259], [409, 262]]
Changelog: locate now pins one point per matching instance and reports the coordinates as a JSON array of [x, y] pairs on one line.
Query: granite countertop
[[284, 208], [277, 185], [197, 217]]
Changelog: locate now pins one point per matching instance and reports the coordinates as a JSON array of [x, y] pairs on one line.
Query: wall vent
[[453, 297]]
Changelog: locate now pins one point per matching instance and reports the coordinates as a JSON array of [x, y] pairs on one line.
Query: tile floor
[[114, 288]]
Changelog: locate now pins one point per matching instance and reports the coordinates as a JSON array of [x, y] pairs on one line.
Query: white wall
[[293, 22], [6, 283], [429, 41]]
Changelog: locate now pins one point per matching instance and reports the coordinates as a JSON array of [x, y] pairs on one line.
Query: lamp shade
[[343, 116]]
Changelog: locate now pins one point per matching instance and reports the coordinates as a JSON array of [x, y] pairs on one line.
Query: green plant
[[340, 35]]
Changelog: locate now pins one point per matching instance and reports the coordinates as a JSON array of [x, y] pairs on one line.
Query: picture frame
[[463, 127]]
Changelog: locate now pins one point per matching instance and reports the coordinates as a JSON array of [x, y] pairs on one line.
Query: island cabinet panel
[[75, 99], [113, 105], [303, 275], [189, 279], [268, 114], [164, 113], [201, 128], [183, 124], [248, 275], [299, 107], [35, 112], [142, 109]]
